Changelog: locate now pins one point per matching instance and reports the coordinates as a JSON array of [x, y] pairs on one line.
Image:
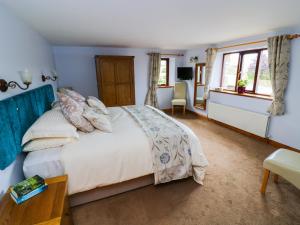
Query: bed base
[[107, 191]]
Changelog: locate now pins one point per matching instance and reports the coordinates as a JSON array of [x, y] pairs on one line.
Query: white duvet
[[99, 159]]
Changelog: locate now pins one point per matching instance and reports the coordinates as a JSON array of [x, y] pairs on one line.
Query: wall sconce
[[26, 78], [53, 77], [194, 59]]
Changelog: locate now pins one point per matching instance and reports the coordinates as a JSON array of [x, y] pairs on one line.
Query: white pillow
[[99, 121], [45, 143], [52, 124], [96, 103]]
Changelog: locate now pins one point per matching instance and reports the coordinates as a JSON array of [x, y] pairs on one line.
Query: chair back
[[180, 90]]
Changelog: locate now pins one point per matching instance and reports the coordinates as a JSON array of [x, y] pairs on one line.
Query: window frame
[[167, 72], [239, 67]]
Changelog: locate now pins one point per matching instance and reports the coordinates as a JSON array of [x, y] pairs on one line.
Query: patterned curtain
[[210, 59], [151, 98], [279, 54]]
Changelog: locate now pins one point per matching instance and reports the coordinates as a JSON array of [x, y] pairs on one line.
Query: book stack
[[27, 189]]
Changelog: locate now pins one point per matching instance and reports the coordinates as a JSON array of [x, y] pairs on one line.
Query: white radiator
[[252, 122]]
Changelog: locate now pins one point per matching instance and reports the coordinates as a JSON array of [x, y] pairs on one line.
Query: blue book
[[29, 195]]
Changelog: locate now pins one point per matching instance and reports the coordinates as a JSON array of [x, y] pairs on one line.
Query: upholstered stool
[[285, 163]]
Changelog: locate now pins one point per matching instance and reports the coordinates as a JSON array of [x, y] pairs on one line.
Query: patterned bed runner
[[170, 145]]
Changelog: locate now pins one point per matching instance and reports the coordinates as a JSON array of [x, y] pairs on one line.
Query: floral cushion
[[96, 103], [73, 94], [99, 120], [72, 110]]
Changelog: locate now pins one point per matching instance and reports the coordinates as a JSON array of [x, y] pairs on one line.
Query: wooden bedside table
[[50, 207]]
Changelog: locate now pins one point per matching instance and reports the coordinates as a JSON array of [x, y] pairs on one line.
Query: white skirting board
[[252, 122]]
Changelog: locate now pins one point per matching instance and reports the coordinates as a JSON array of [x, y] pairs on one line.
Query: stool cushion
[[178, 102], [285, 163]]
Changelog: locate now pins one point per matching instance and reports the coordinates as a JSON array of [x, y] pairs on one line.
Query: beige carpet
[[230, 194]]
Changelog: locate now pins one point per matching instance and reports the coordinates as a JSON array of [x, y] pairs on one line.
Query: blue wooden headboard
[[17, 114]]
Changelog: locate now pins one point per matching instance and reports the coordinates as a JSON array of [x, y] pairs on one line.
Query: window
[[230, 69], [249, 65], [263, 85], [164, 72]]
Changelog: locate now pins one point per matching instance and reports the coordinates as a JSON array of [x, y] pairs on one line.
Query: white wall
[[76, 68], [21, 48], [284, 129]]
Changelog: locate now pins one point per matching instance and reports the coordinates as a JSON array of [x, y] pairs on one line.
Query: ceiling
[[165, 24]]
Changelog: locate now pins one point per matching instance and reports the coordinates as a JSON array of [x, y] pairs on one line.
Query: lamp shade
[[26, 76]]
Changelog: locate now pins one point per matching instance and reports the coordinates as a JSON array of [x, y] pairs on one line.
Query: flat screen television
[[185, 73]]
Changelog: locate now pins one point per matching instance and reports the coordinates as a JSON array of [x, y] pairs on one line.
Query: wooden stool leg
[[265, 181], [172, 109], [276, 178], [184, 110]]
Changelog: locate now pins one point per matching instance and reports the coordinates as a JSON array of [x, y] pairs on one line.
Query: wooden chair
[[179, 96], [285, 163]]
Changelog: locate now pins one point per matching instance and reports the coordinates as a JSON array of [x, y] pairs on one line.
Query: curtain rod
[[171, 54], [291, 37]]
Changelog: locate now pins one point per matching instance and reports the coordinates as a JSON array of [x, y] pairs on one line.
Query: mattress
[[45, 163], [100, 159], [48, 163]]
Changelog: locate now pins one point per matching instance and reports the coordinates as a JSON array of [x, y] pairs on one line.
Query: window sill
[[269, 98], [165, 86]]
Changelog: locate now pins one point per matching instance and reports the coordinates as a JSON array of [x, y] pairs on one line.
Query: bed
[[102, 164]]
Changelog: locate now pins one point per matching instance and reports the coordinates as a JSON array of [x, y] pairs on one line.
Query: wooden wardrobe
[[115, 77]]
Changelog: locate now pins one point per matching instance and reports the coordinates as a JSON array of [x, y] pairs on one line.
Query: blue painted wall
[[20, 47], [284, 129], [76, 67]]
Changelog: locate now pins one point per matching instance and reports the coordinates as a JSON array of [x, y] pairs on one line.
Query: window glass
[[263, 85], [230, 67], [248, 69], [163, 72]]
